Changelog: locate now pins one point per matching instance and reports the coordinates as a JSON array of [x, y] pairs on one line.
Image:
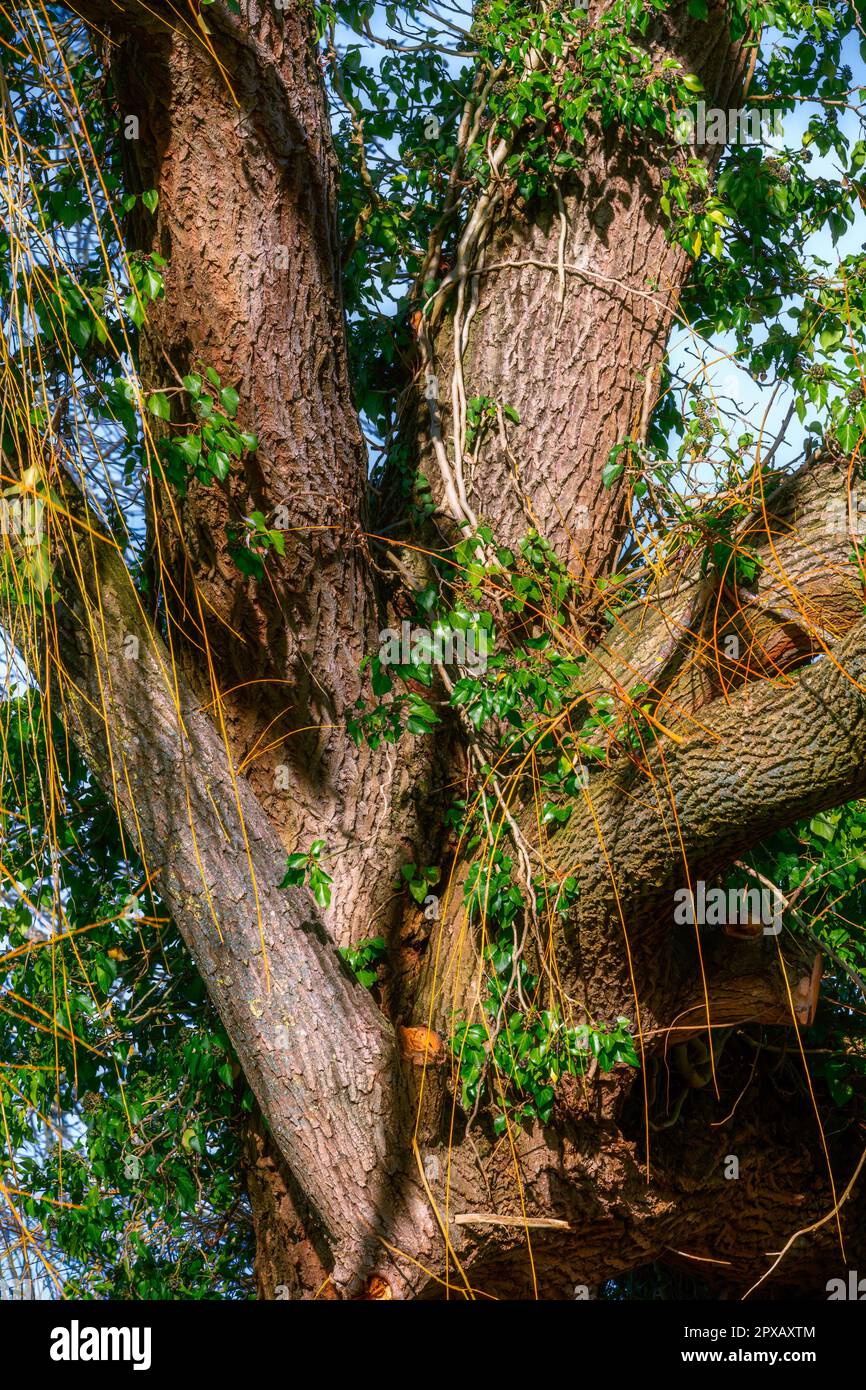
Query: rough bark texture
[[694, 639], [567, 312], [292, 1256], [234, 137], [762, 759], [325, 1066], [241, 158], [319, 1057]]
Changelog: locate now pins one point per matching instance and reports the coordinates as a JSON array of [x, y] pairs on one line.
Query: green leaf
[[822, 827], [320, 882], [219, 464], [229, 400], [134, 309]]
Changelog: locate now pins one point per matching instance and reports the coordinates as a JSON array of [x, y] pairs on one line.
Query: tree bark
[[188, 735], [319, 1057], [234, 137], [562, 311]]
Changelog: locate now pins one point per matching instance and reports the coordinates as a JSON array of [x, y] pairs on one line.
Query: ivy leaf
[[219, 464], [229, 400], [134, 309]]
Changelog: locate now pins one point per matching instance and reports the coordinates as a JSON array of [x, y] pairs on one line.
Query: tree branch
[[315, 1050], [761, 759]]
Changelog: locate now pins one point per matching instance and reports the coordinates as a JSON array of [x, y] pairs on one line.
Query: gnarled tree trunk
[[238, 751]]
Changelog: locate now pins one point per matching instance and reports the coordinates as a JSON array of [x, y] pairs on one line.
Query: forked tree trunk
[[233, 134]]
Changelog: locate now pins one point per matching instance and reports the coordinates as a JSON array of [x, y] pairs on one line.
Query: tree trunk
[[562, 312], [257, 677]]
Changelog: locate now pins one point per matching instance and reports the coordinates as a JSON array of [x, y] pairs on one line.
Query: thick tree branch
[[694, 637], [314, 1049], [763, 759]]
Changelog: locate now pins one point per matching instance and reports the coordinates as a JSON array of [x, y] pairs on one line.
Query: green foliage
[[532, 677], [825, 859], [25, 564], [125, 1105], [363, 959], [114, 1042], [250, 544], [207, 451], [481, 414], [516, 1056], [385, 722], [522, 1054], [751, 224], [419, 879], [307, 868], [147, 285]]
